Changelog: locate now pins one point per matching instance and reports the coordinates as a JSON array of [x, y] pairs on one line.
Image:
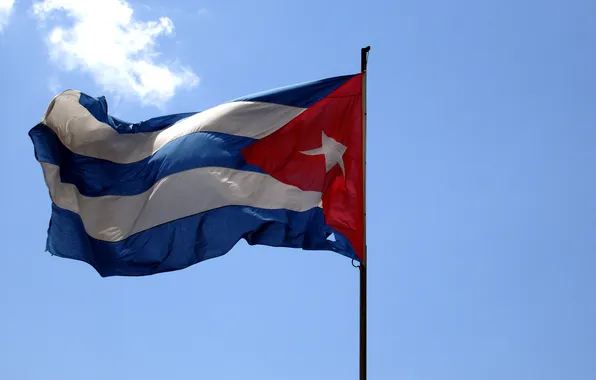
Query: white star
[[333, 152]]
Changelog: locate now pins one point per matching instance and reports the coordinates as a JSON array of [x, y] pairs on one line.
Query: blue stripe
[[46, 145], [301, 95], [99, 109], [185, 242], [98, 177]]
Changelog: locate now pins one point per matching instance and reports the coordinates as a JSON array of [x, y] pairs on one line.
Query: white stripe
[[114, 218], [83, 134]]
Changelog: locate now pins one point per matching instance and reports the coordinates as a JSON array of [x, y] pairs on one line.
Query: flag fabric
[[281, 168]]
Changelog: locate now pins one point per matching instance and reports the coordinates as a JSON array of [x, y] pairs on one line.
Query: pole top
[[364, 58]]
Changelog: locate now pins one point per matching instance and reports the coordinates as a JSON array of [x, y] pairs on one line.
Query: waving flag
[[281, 168]]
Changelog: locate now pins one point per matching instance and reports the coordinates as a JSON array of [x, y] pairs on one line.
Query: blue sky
[[481, 208]]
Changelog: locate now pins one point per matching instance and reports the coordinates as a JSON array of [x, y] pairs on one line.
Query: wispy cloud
[[54, 84], [6, 7], [104, 39]]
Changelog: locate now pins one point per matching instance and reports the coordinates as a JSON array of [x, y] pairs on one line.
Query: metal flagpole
[[362, 266]]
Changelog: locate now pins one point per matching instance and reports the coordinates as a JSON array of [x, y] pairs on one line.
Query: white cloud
[[54, 84], [6, 7], [118, 51]]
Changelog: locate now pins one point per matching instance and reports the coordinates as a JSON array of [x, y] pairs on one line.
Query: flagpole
[[362, 266]]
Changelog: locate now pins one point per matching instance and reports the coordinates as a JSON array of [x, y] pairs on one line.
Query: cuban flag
[[282, 168]]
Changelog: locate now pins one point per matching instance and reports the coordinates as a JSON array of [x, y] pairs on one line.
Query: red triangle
[[339, 116]]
